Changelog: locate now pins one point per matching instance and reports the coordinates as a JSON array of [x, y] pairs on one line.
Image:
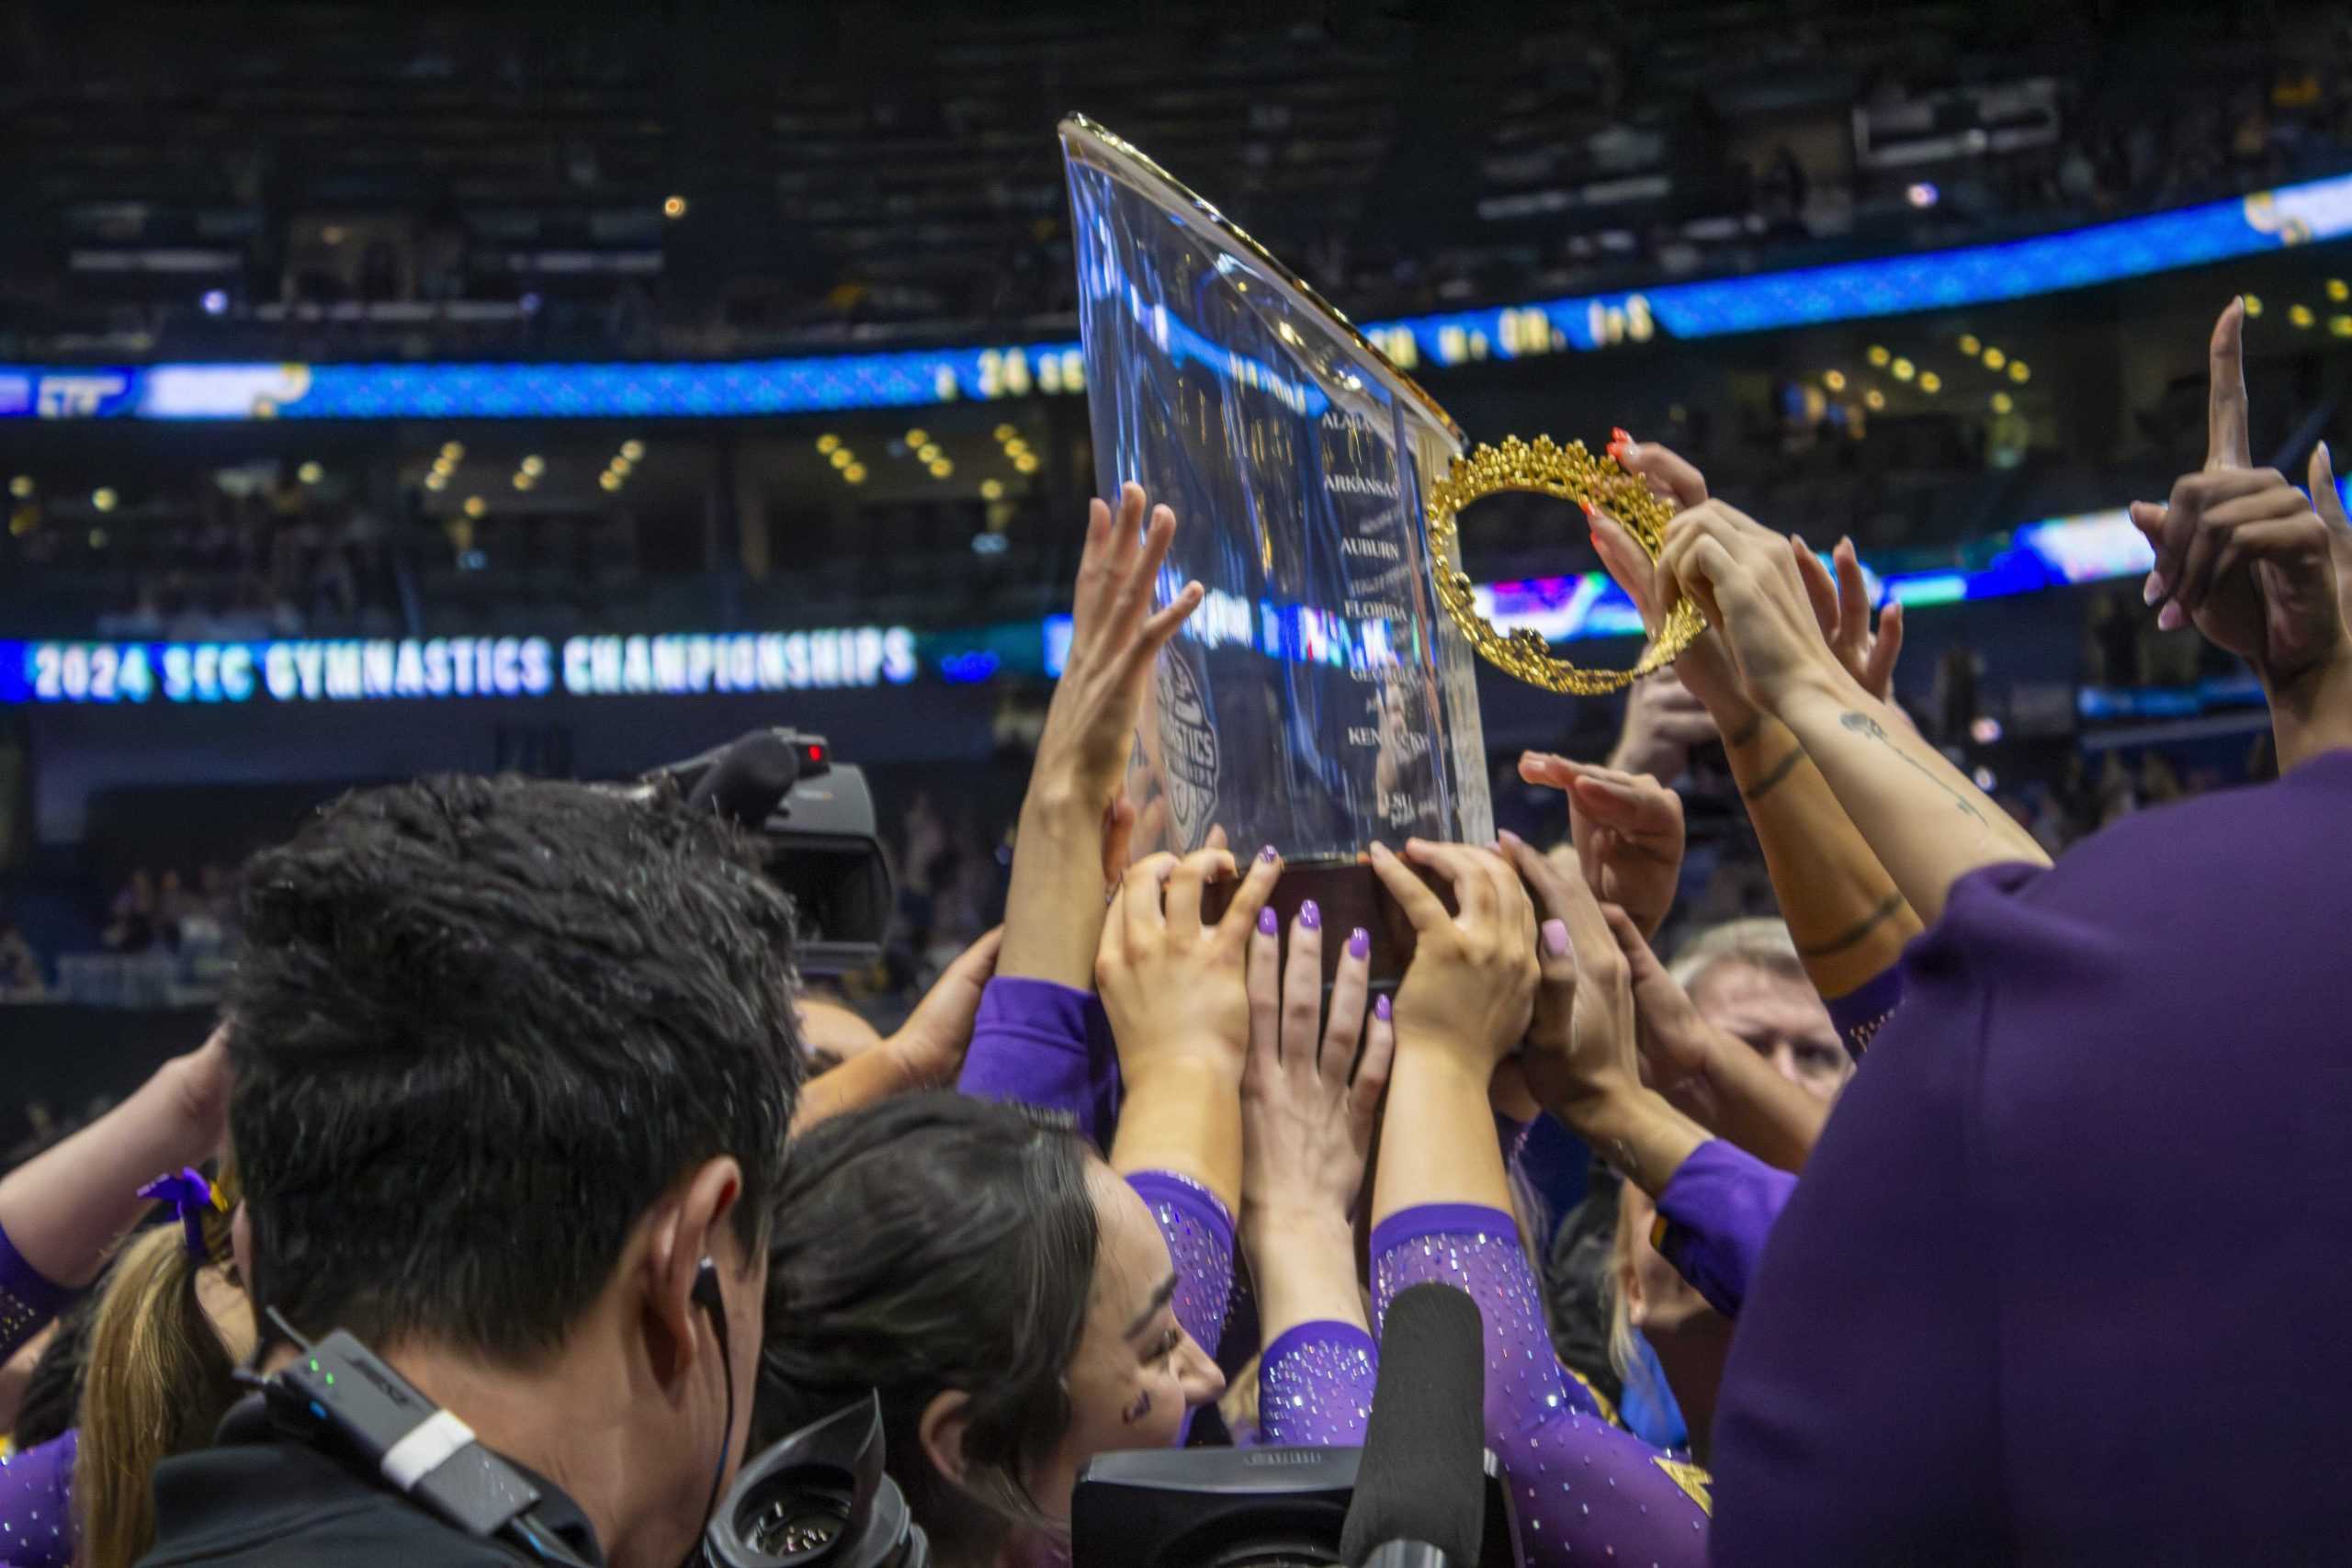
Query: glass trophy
[[1320, 698]]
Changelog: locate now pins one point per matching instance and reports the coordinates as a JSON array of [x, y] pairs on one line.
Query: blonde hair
[[1759, 942], [1621, 1244], [158, 1380]]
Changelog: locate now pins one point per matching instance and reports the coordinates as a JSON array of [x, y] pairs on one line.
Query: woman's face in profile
[[1136, 1371]]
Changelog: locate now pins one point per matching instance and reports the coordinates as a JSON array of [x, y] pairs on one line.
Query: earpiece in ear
[[706, 1290]]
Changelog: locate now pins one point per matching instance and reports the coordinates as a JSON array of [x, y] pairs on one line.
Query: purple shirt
[[2060, 1281], [1718, 1209]]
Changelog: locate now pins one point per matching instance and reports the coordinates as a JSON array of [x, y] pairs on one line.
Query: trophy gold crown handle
[[1570, 473]]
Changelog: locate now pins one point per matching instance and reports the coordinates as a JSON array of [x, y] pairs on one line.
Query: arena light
[[2003, 402], [1969, 345], [918, 438], [533, 464], [436, 480], [1879, 355], [620, 465], [992, 490], [1922, 194], [21, 487], [854, 473], [1903, 369], [843, 457], [633, 450], [97, 538], [216, 302], [1930, 382], [1025, 463], [453, 451], [1833, 379], [476, 506], [2301, 315], [927, 452], [609, 480], [828, 444], [673, 208], [104, 498], [309, 473], [942, 469], [1006, 432], [525, 479], [2253, 303], [1994, 358], [2020, 372], [1874, 399], [2339, 326]]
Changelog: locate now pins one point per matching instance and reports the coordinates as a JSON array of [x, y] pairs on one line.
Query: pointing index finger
[[2226, 443]]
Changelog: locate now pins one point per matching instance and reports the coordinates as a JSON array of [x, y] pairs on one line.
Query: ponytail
[[157, 1383]]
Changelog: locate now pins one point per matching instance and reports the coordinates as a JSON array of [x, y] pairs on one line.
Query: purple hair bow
[[189, 1194]]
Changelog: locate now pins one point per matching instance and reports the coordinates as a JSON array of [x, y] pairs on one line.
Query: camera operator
[[511, 1061]]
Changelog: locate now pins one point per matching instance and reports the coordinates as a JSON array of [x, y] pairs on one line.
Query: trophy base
[[1349, 895]]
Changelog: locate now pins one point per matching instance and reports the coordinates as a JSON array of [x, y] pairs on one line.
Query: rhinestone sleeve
[[36, 1505], [1315, 1386], [1200, 1244], [28, 1299], [1586, 1491]]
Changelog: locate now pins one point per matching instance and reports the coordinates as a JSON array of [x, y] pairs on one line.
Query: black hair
[[930, 1243], [482, 1025], [53, 1388]]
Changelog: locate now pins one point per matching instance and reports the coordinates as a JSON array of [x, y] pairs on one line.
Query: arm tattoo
[[1858, 929], [1771, 779], [1745, 733], [1869, 728]]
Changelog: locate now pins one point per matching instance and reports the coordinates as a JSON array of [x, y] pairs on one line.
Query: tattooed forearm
[[1745, 733], [1863, 724], [1853, 934], [1774, 775]]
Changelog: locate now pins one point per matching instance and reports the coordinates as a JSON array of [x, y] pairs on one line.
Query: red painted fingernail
[[1590, 512], [1617, 435]]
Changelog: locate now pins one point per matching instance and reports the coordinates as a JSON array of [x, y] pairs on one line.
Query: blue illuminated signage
[[2130, 247], [385, 669]]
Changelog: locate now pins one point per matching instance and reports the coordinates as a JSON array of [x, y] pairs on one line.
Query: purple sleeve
[[1041, 1043], [28, 1299], [1860, 1011], [1713, 1217], [1586, 1492], [1315, 1386], [1199, 1243], [36, 1505]]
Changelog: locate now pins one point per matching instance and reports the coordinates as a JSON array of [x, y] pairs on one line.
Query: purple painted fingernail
[[1267, 924], [1359, 944], [1310, 916], [1267, 854], [1555, 938], [1380, 1009]]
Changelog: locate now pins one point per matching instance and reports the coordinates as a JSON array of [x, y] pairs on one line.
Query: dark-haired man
[[512, 1060]]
